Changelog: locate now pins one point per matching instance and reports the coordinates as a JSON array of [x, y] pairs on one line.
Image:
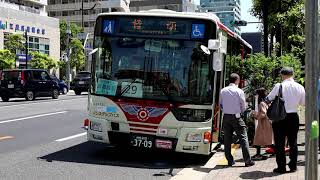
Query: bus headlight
[[194, 137], [95, 126]]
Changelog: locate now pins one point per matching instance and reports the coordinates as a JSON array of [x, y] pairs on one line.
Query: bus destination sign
[[155, 27]]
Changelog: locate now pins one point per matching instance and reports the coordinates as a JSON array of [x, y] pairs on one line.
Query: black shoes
[[232, 163], [279, 171], [292, 170], [251, 163]]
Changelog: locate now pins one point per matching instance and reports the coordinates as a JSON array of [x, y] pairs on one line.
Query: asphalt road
[[29, 148]]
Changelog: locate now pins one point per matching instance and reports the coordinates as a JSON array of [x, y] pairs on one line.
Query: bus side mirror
[[214, 44], [217, 61], [93, 51]]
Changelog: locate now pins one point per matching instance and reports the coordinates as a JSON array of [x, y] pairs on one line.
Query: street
[[43, 139]]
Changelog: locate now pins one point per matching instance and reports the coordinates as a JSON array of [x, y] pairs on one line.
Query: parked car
[[81, 82], [63, 87], [27, 83]]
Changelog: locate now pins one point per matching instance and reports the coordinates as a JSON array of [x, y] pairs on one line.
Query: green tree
[[77, 57], [14, 42], [286, 22], [261, 71], [42, 61], [75, 29], [7, 59]]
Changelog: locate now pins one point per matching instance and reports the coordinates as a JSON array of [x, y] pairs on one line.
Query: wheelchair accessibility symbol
[[197, 31]]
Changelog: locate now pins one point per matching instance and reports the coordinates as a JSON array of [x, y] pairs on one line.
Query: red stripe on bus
[[142, 130], [143, 126]]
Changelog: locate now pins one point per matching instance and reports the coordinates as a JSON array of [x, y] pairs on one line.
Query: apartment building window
[[72, 1], [91, 24], [52, 2], [86, 24], [64, 1], [105, 10], [64, 13], [71, 13], [52, 13]]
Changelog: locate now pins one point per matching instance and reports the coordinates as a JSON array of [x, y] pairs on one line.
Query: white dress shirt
[[232, 100], [293, 94]]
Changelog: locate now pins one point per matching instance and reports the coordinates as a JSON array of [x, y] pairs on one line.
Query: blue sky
[[245, 8]]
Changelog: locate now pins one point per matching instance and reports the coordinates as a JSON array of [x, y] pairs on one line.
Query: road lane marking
[[71, 137], [6, 137], [32, 117], [41, 102], [224, 161]]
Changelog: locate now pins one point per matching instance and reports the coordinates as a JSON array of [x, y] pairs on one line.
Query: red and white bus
[[156, 77]]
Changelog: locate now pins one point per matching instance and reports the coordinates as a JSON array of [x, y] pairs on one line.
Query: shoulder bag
[[277, 111]]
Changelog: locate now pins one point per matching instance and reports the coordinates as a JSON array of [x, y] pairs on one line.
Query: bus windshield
[[157, 69]]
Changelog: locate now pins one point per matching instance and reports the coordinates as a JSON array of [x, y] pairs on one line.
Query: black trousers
[[289, 128], [232, 124]]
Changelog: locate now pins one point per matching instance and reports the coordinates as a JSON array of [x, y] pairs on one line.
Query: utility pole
[[26, 47], [68, 32], [312, 75], [82, 21], [265, 26]]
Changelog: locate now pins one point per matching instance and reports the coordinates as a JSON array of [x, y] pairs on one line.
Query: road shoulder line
[[71, 137]]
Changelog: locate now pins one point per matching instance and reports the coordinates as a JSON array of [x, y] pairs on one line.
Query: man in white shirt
[[232, 102], [293, 95]]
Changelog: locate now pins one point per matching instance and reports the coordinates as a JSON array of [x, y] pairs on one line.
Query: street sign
[[82, 36]]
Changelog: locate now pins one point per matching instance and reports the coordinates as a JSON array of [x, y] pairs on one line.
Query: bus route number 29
[[134, 90], [139, 141]]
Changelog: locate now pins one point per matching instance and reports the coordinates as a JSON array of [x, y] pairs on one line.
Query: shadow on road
[[257, 175], [100, 154]]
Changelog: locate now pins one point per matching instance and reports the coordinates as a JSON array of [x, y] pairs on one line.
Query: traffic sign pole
[[312, 75]]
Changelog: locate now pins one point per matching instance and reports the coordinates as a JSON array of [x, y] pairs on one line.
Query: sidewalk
[[263, 169]]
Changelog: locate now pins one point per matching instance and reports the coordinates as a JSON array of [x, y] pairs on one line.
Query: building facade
[[175, 5], [226, 10], [19, 17], [70, 10], [255, 39]]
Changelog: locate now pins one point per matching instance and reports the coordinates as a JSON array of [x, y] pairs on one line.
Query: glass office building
[[226, 10]]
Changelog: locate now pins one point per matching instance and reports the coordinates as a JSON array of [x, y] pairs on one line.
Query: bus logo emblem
[[143, 113]]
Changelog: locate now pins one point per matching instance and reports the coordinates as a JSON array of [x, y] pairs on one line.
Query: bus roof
[[196, 15]]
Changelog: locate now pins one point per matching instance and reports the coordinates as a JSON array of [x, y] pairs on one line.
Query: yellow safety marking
[[6, 137], [224, 161]]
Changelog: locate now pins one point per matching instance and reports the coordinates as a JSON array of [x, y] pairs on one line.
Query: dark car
[[81, 82], [63, 87], [27, 83]]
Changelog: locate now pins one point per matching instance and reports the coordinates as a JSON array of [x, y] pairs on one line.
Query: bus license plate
[[10, 85], [141, 141], [81, 82]]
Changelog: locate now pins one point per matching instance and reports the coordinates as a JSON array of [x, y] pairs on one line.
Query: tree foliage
[[7, 59], [14, 42], [77, 57], [75, 29], [287, 15], [42, 61], [261, 71]]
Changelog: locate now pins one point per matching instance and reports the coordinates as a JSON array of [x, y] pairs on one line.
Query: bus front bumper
[[185, 140]]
